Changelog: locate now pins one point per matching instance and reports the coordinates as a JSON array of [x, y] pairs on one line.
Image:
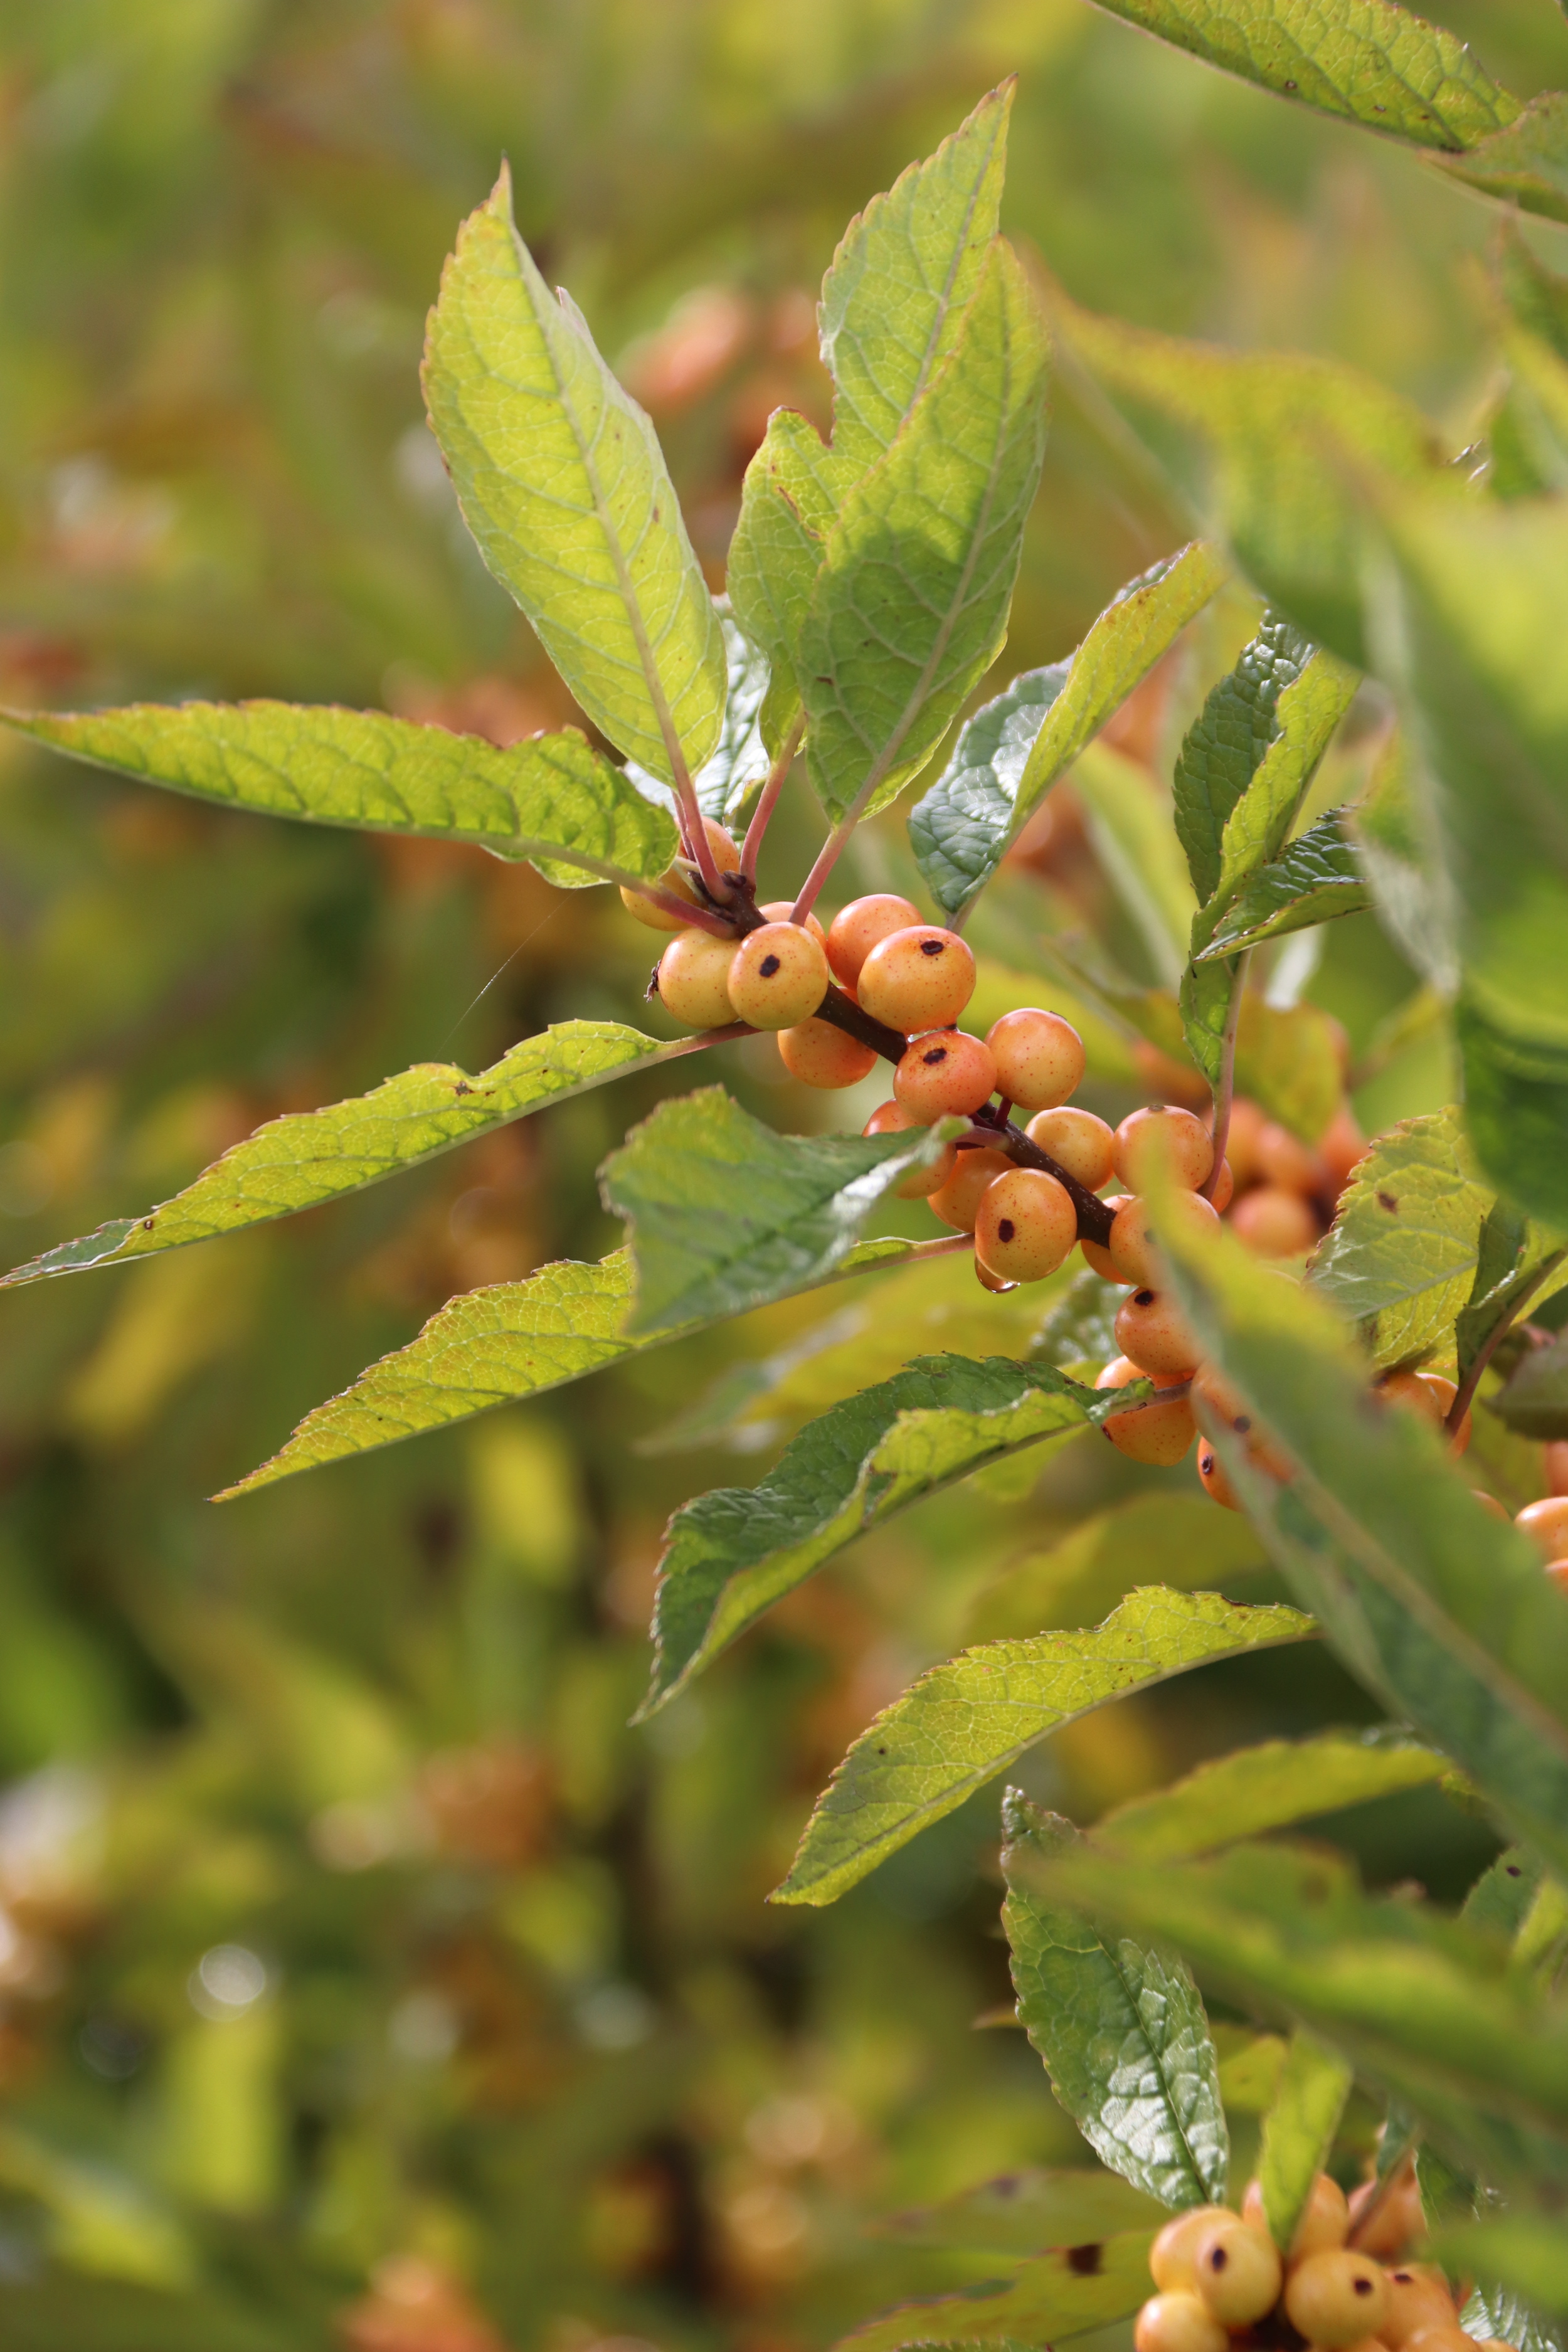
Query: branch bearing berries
[[957, 1203], [918, 978], [778, 976], [1337, 2297], [1026, 1226], [1151, 1329], [892, 1118], [1039, 1057], [1163, 1137], [1077, 1141], [694, 979], [1157, 1434], [944, 1073], [863, 925], [677, 880], [818, 1055]]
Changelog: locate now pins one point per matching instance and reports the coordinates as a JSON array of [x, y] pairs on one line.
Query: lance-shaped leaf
[[1238, 726], [1009, 754], [559, 477], [728, 780], [1535, 1402], [1367, 61], [309, 1157], [1318, 878], [1027, 2212], [1525, 163], [1402, 1255], [1120, 2026], [1514, 1259], [733, 1554], [726, 1213], [498, 1346], [964, 1722], [1439, 1611], [1046, 2301], [1298, 2131], [549, 798], [793, 491], [909, 608], [1272, 442], [1269, 1787]]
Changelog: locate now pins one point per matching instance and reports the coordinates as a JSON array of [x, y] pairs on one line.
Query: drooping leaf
[[549, 798], [1272, 442], [726, 1213], [1318, 877], [1027, 2212], [1173, 1539], [733, 1553], [1513, 1259], [1535, 1402], [1401, 1258], [1367, 61], [1525, 163], [1046, 2301], [909, 607], [962, 1724], [561, 481], [1298, 2131], [1010, 753], [1269, 1787], [309, 1157], [1120, 2029], [1128, 824]]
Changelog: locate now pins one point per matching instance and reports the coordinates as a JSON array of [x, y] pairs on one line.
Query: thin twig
[[750, 848], [1222, 1100], [1464, 1395], [826, 859]]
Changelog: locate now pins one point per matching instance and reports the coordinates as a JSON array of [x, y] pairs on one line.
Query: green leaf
[[1298, 2131], [1081, 1327], [726, 1214], [1238, 727], [791, 495], [1516, 1110], [1288, 1060], [1120, 2029], [962, 1723], [492, 1346], [1528, 429], [1274, 443], [1046, 2301], [1402, 1255], [561, 479], [549, 798], [727, 784], [1495, 2316], [1514, 2253], [1364, 60], [1394, 838], [1525, 163], [1535, 1402], [1010, 753], [1173, 1539], [1027, 2212], [1268, 1788], [1502, 1896], [909, 608], [1514, 1258], [733, 1553], [906, 271], [1128, 824], [307, 1157], [1318, 878]]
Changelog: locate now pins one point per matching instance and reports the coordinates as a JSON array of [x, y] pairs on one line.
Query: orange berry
[[1274, 1223], [944, 1073], [918, 978], [1241, 1143], [1223, 1191], [1150, 1329], [1178, 2321], [863, 925], [1343, 1147], [779, 910], [1096, 1253], [1218, 1405], [1239, 2272], [677, 880], [694, 979], [1324, 2222], [1077, 1141], [778, 976], [1337, 2297], [957, 1203], [892, 1118], [1418, 2299], [1025, 1226], [1557, 1570], [1039, 1057], [1133, 1247], [1557, 1467], [1214, 1481], [1157, 1434], [1546, 1524], [1175, 2251], [1284, 1159], [1160, 1136], [818, 1055], [1441, 2336], [1430, 1395]]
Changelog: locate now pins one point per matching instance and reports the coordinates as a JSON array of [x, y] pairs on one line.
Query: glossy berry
[[1165, 1138], [1175, 2251], [1150, 1328], [1135, 1243], [958, 1201], [1274, 1223], [1025, 1226], [1223, 1191], [1179, 2321], [864, 924], [818, 1055], [1283, 1159], [1039, 1057], [1418, 2298], [1095, 1254], [1159, 1433], [1077, 1141], [1337, 2296], [778, 976], [1324, 2220], [918, 978], [677, 881], [1430, 1395], [779, 910], [694, 979], [944, 1073], [1546, 1524], [1239, 2272], [1212, 1475], [892, 1118]]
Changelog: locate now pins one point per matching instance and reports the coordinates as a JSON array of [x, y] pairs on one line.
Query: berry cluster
[[1343, 2282]]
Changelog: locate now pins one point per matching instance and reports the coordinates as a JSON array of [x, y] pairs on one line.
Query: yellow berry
[[819, 1054], [863, 925], [677, 881], [1151, 1329], [1077, 1141], [1324, 2220], [1178, 2321], [780, 910], [1237, 2270], [1418, 2298], [1039, 1057], [892, 1118], [944, 1073], [957, 1203], [918, 978], [1160, 1434], [1336, 2297], [1025, 1226], [1175, 2251], [1546, 1524], [778, 976], [1133, 1245], [1097, 1255], [694, 979], [1163, 1137]]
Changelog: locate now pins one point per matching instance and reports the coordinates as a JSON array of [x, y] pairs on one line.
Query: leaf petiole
[[1226, 1095], [750, 848]]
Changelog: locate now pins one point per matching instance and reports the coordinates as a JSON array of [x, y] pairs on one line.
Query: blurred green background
[[363, 1980]]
